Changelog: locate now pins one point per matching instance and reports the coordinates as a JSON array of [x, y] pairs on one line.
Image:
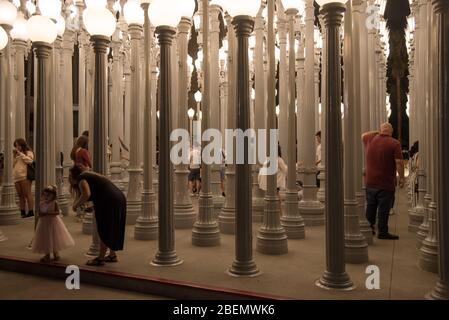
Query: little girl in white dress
[[51, 235]]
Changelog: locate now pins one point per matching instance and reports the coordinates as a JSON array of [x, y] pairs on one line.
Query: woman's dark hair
[[22, 144], [318, 134], [75, 173], [81, 142], [279, 151], [85, 133]]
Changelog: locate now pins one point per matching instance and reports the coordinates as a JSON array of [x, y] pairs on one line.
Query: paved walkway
[[18, 286], [291, 275]]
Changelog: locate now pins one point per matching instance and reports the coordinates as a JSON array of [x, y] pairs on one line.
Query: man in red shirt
[[383, 157]]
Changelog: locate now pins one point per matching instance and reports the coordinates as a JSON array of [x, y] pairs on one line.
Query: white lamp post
[[134, 16], [19, 35], [42, 32], [147, 224], [3, 43], [243, 13], [165, 15], [205, 230], [271, 238], [184, 213], [335, 276], [310, 208], [8, 208], [292, 220]]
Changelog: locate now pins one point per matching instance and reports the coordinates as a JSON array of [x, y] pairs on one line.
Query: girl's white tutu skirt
[[51, 235]]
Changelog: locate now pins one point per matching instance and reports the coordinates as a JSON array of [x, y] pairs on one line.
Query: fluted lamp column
[[42, 32], [135, 18], [335, 276], [100, 24], [441, 290], [9, 212], [3, 43], [226, 219], [271, 238], [292, 221], [183, 209], [310, 208], [147, 223], [165, 15], [205, 231], [20, 37], [356, 247], [243, 22]]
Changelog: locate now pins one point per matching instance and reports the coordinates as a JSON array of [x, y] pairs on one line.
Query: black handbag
[[31, 171]]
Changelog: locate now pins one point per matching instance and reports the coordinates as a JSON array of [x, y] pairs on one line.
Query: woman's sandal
[[110, 258], [95, 262]]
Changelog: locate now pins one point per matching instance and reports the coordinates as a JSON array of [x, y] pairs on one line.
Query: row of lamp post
[[165, 16]]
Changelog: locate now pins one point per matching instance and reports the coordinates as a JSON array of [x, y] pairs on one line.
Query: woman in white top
[[281, 174], [23, 156]]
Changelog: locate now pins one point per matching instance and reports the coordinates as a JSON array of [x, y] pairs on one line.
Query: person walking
[[383, 158], [23, 174]]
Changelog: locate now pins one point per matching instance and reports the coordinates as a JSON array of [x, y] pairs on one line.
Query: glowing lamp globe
[[60, 25], [323, 2], [99, 21], [198, 96], [8, 13], [165, 12], [242, 8], [50, 8], [187, 8], [133, 12], [96, 4], [19, 28], [293, 4], [41, 29], [3, 38], [31, 8], [191, 113]]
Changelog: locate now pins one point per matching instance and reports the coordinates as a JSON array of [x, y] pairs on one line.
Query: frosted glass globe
[[8, 12], [3, 38], [60, 25], [187, 8], [242, 8], [41, 29], [19, 29], [96, 3], [50, 8], [294, 4], [323, 2], [99, 21], [165, 12], [133, 12]]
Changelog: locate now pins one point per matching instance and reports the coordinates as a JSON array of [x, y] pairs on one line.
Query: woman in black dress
[[110, 210]]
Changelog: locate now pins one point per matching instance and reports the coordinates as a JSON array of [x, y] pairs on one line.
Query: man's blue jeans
[[379, 202]]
